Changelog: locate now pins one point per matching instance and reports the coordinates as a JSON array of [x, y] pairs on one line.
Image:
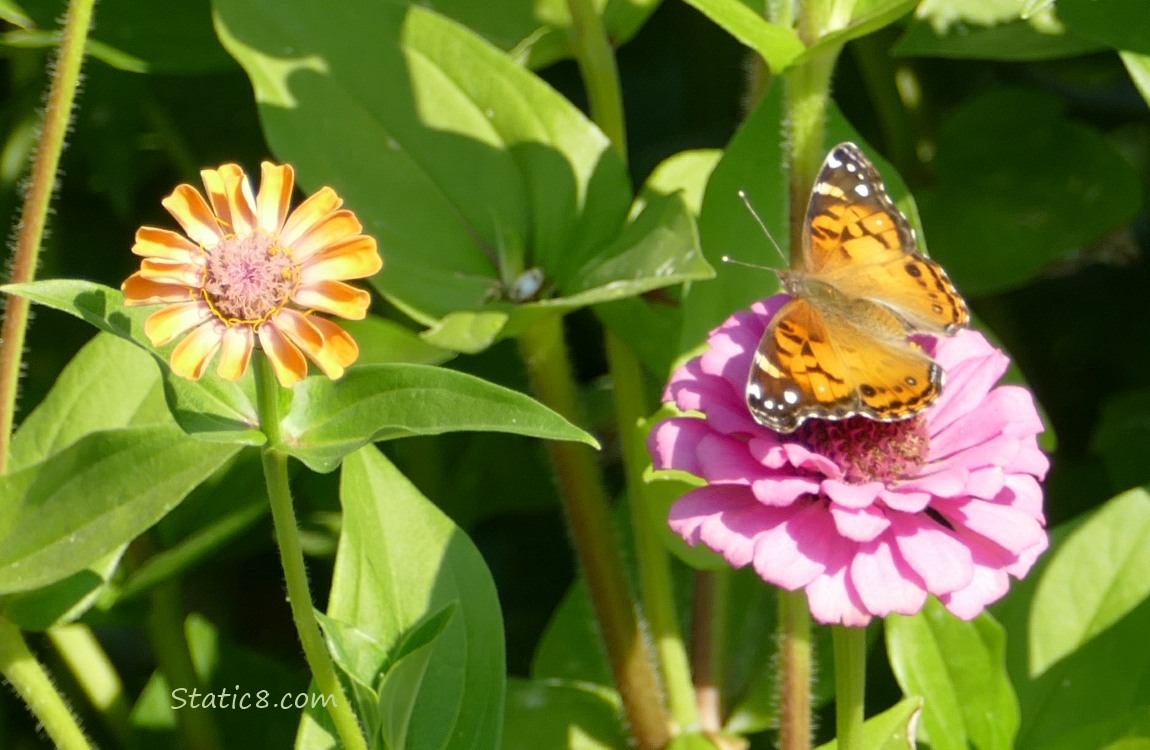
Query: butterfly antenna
[[763, 226]]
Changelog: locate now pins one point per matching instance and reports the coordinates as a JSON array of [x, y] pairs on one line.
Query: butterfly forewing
[[840, 347]]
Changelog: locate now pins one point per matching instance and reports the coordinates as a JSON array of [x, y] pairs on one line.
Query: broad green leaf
[[448, 145], [893, 729], [402, 684], [399, 561], [562, 714], [108, 384], [685, 173], [989, 30], [1122, 438], [571, 647], [959, 668], [1121, 24], [135, 38], [383, 341], [1128, 731], [212, 409], [1094, 579], [65, 600], [1139, 68], [777, 45], [1100, 686], [248, 695], [1005, 209], [539, 32], [330, 419], [67, 512]]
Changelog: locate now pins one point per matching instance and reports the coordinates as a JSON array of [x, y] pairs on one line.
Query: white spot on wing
[[862, 190]]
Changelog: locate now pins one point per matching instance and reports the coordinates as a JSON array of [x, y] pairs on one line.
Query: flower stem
[[708, 644], [600, 74], [30, 234], [588, 517], [93, 671], [795, 657], [291, 556], [28, 678], [650, 554], [850, 685]]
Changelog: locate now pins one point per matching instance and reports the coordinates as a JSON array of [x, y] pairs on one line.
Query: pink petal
[[907, 501], [852, 495], [726, 518], [782, 489], [883, 582], [792, 553], [1008, 527], [942, 562], [859, 524], [989, 584], [834, 602], [672, 444]]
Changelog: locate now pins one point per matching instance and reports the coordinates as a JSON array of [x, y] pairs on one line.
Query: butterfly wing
[[861, 243], [814, 362]]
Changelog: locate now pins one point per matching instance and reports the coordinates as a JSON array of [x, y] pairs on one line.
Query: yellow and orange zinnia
[[248, 270]]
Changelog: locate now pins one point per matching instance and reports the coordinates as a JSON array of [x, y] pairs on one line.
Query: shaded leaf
[[777, 45], [1121, 24], [399, 561], [562, 714], [893, 729], [82, 503]]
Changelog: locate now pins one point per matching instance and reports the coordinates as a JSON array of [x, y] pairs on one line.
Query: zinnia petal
[[354, 258], [189, 208], [274, 198], [140, 291], [235, 352], [164, 325], [308, 214], [230, 194], [334, 297], [191, 356], [152, 242], [328, 231], [287, 361]]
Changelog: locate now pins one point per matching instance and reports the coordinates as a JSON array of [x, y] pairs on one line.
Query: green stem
[[291, 556], [588, 517], [57, 114], [709, 644], [600, 74], [650, 555], [28, 678], [94, 673], [808, 93], [165, 626], [795, 664], [850, 685]]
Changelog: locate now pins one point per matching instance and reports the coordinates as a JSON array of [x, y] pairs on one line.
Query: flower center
[[867, 450], [248, 278]]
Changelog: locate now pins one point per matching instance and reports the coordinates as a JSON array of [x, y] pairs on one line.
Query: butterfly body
[[839, 348]]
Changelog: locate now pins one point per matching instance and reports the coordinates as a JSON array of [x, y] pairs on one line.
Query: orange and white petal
[[274, 198], [335, 298], [287, 361], [340, 348], [330, 230], [300, 329], [308, 214], [189, 208], [172, 272], [355, 258], [153, 242], [231, 197], [191, 356], [140, 291], [164, 325], [236, 352]]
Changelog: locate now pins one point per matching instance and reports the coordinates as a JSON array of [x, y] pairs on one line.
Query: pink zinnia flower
[[867, 517]]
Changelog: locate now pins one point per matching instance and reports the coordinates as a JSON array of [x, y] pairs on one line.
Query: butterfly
[[840, 348]]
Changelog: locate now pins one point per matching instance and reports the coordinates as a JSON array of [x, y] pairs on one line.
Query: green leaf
[[1006, 208], [11, 12], [1139, 68], [243, 690], [989, 30], [383, 341], [330, 419], [562, 714], [211, 408], [108, 384], [571, 647], [446, 144], [1094, 579], [1121, 24], [1122, 438], [959, 668], [539, 32], [777, 45], [1096, 691], [404, 679], [82, 503], [893, 729], [685, 173], [132, 36], [399, 561], [65, 600]]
